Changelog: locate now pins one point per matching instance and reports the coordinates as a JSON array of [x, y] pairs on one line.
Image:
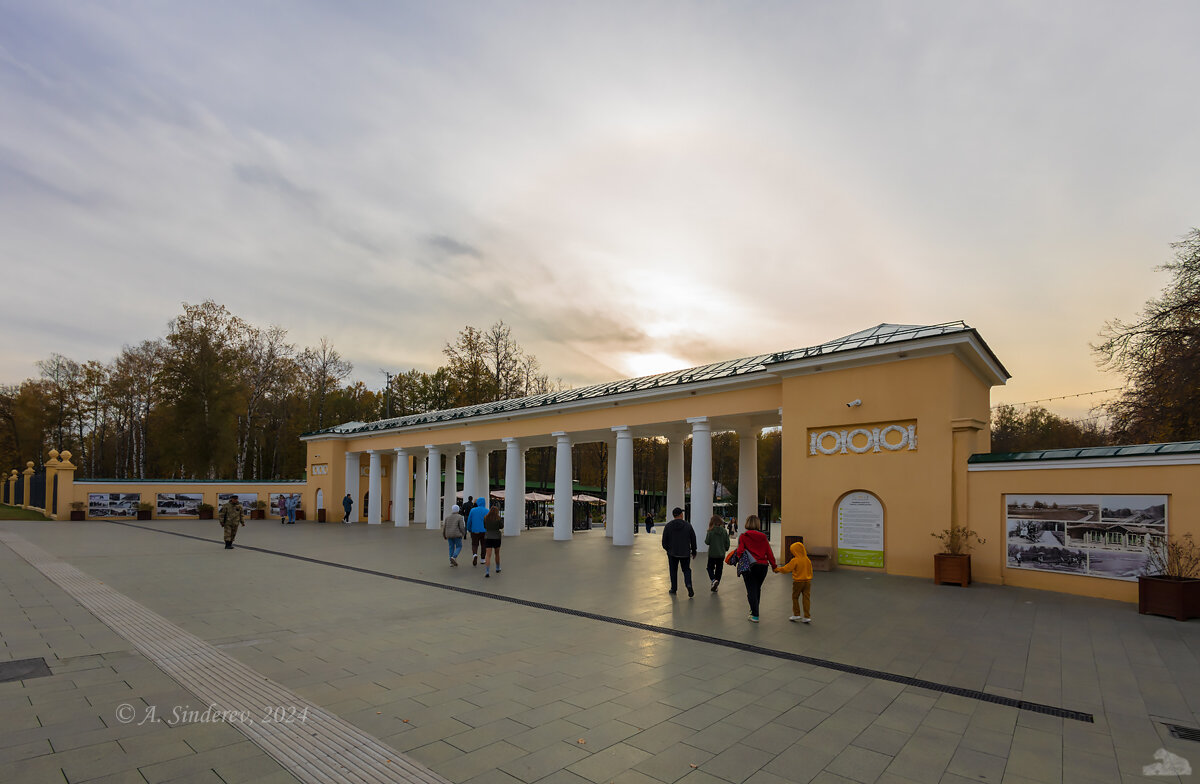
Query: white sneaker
[[806, 620], [795, 617], [474, 560]]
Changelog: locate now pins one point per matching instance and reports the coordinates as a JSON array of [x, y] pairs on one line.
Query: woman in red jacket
[[758, 545]]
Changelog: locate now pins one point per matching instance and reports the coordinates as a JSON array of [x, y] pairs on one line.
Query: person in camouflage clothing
[[231, 517]]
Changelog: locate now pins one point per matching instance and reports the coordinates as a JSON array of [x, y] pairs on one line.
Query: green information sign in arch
[[860, 530]]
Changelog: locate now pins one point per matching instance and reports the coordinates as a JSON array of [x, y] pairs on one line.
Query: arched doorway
[[858, 529]]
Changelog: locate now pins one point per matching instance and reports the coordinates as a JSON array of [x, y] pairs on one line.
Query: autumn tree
[[488, 365], [199, 381], [1026, 429], [10, 439], [1159, 355], [470, 378], [62, 377]]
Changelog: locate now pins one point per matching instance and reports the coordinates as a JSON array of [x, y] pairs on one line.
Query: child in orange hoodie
[[801, 568]]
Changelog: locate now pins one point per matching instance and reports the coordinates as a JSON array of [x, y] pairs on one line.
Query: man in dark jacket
[[679, 540], [347, 504]]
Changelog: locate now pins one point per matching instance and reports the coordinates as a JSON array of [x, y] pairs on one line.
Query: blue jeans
[[291, 514], [455, 544]]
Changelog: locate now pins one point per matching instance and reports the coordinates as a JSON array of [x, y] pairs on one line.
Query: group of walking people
[[486, 529], [751, 558]]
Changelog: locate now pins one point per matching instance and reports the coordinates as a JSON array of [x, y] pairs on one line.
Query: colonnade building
[[877, 428]]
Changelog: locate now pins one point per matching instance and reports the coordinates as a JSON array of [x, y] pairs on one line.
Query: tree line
[[218, 397]]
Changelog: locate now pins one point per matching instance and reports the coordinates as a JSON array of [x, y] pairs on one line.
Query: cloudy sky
[[634, 187]]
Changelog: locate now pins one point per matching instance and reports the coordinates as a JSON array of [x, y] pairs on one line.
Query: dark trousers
[[477, 545], [715, 567], [754, 580], [676, 564]]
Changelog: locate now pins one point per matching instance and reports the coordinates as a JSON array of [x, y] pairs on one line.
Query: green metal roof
[[882, 334], [1090, 452]]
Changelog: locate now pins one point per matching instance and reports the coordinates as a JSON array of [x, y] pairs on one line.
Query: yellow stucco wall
[[915, 488], [1180, 483], [332, 483]]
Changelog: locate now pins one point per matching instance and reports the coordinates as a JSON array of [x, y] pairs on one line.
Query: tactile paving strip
[[944, 688], [323, 749]]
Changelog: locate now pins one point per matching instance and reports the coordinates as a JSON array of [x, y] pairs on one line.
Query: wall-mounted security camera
[[854, 403]]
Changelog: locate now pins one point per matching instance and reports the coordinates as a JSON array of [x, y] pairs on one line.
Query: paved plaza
[[595, 674]]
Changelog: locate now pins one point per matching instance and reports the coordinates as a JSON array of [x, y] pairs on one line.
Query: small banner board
[[860, 530]]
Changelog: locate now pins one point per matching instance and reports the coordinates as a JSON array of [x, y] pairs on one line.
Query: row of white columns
[[428, 489]]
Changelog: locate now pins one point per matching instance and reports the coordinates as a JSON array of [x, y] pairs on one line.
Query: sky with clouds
[[632, 186]]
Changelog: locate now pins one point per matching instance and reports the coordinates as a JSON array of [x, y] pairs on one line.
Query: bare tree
[[323, 370], [1159, 355], [267, 362]]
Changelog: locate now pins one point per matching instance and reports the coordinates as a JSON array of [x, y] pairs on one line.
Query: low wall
[[1068, 490], [171, 497]]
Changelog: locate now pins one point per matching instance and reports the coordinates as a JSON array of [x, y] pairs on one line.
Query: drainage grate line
[[325, 749], [828, 664], [1183, 733]]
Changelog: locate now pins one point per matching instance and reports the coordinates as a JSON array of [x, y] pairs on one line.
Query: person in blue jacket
[[476, 529]]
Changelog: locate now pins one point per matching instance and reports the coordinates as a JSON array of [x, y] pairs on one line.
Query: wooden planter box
[[143, 515], [1178, 599], [321, 515], [205, 515], [77, 514], [258, 514], [952, 569], [300, 514]]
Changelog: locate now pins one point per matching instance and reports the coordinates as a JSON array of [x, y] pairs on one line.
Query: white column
[[375, 487], [562, 488], [747, 475], [449, 495], [482, 477], [702, 486], [521, 484], [621, 505], [352, 484], [420, 488], [434, 488], [400, 479], [514, 488], [674, 473], [470, 469], [610, 487]]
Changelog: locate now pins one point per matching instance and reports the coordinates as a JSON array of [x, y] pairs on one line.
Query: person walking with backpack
[[757, 547], [717, 540], [679, 540]]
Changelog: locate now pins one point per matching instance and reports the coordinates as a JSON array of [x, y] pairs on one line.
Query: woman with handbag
[[752, 556]]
